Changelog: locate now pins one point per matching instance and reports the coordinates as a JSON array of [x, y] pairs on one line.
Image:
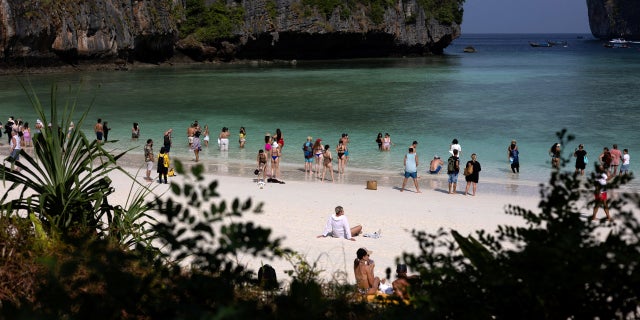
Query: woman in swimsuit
[[340, 149], [26, 135], [327, 163], [386, 142], [318, 150], [275, 160], [243, 137], [379, 141], [135, 131]]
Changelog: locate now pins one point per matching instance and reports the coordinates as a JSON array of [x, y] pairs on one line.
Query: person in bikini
[[326, 159], [363, 267], [275, 159], [342, 159], [318, 150]]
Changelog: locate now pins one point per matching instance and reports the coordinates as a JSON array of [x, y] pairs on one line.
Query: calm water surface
[[507, 90]]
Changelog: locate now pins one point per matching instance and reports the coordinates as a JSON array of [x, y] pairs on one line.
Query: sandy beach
[[298, 210]]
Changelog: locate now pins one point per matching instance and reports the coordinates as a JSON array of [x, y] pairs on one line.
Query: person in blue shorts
[[436, 165], [410, 169]]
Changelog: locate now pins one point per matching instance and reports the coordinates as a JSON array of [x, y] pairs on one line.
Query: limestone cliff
[[614, 19], [56, 32]]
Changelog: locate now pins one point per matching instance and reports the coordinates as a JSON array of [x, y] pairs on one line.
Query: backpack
[[160, 161], [267, 277], [307, 148], [451, 164]]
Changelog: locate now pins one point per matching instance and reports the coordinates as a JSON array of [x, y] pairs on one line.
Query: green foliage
[[554, 267], [325, 7], [211, 22], [445, 11], [66, 184]]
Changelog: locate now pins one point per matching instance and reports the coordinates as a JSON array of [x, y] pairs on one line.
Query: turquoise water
[[507, 90]]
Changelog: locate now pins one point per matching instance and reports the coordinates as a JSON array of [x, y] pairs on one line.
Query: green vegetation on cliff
[[210, 22]]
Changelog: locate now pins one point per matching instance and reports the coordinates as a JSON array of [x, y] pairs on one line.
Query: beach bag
[[451, 164], [267, 277], [171, 172], [468, 169]]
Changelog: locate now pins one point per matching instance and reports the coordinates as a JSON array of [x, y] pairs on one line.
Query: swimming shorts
[[453, 178], [99, 136], [436, 170], [410, 174]]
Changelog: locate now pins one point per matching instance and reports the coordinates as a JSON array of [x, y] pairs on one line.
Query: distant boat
[[548, 44], [540, 44], [469, 49], [618, 43]]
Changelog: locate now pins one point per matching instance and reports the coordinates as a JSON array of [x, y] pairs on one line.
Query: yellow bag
[[171, 173]]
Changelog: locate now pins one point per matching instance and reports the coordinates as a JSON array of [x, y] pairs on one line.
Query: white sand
[[298, 211]]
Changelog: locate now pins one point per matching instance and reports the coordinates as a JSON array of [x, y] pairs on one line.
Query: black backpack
[[451, 164]]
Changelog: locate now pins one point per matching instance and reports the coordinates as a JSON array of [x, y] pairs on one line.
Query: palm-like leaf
[[66, 182]]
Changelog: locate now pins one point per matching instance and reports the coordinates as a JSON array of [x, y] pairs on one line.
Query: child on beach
[[624, 169]]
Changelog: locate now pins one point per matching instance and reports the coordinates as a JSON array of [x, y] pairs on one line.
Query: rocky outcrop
[[56, 32], [614, 19]]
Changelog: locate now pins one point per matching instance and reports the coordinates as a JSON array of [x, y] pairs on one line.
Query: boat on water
[[540, 44], [618, 43], [548, 44]]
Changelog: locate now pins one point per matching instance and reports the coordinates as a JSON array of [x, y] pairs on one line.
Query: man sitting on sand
[[338, 226], [436, 165]]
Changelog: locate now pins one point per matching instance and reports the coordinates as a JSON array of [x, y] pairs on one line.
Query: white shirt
[[337, 227], [625, 159]]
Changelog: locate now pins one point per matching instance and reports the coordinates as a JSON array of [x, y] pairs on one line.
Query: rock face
[[614, 19], [57, 32]]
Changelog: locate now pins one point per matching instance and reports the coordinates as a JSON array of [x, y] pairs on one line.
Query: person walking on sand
[[363, 268], [97, 128], [581, 156], [307, 149], [453, 168], [410, 169], [196, 146], [624, 169], [14, 148], [326, 160], [338, 226], [601, 193], [474, 174], [148, 158], [616, 155]]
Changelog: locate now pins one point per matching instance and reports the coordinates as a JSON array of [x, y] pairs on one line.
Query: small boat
[[540, 44], [557, 43], [619, 41], [469, 49]]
